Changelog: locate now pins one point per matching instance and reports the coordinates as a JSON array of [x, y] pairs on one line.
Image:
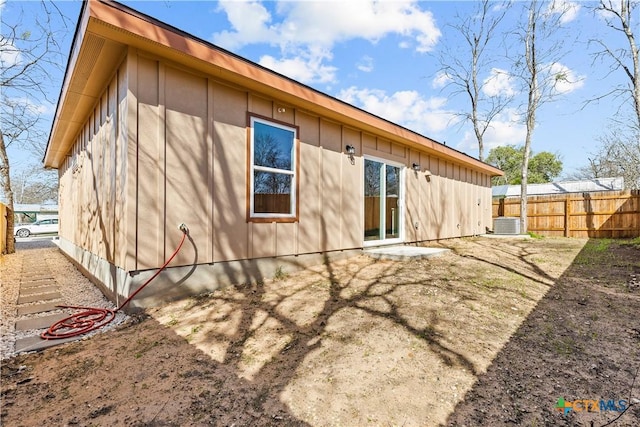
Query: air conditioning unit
[[506, 225]]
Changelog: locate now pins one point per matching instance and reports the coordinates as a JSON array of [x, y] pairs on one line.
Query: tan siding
[[181, 156], [187, 168], [151, 164], [231, 239], [261, 106], [116, 97], [351, 193], [330, 177], [286, 237], [127, 140], [309, 226]]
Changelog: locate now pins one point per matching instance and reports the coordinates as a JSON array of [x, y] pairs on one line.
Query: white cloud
[[507, 128], [326, 23], [499, 83], [306, 67], [440, 80], [564, 79], [406, 108], [365, 64], [567, 9], [30, 106], [302, 28], [250, 21], [9, 56]]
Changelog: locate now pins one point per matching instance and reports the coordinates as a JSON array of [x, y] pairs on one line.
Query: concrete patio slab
[[25, 299], [36, 343], [403, 253], [506, 236], [39, 322], [38, 290], [38, 308]]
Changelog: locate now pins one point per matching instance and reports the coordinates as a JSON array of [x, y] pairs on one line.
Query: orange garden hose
[[91, 318]]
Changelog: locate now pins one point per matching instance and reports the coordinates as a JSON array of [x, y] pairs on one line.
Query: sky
[[386, 58]]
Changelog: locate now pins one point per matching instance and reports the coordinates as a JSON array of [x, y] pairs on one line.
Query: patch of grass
[[565, 346], [194, 330], [632, 242], [174, 320], [280, 274], [534, 235], [594, 249], [602, 245], [144, 345]]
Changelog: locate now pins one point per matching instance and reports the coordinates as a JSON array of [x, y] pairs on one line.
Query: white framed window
[[273, 171]]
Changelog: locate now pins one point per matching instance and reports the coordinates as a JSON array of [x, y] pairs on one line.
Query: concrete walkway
[[404, 253], [38, 295]]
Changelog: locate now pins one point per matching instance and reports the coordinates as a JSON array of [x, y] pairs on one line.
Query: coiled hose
[[91, 318]]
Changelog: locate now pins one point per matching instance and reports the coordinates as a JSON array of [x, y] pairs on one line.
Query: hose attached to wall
[[92, 318]]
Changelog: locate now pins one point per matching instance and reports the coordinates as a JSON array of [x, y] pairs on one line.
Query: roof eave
[[127, 27]]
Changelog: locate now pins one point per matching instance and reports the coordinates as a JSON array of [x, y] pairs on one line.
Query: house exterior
[[155, 128]]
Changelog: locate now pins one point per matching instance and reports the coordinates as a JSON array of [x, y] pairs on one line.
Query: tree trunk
[[626, 10], [6, 187], [532, 105]]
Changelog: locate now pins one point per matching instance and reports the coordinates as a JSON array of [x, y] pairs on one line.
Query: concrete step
[[36, 283], [38, 290], [39, 322], [38, 308], [36, 343], [25, 299], [31, 278]]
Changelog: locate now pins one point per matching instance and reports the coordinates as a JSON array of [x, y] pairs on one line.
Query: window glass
[[273, 146], [273, 177]]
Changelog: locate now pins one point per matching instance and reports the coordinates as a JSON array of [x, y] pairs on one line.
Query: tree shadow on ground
[[582, 341], [270, 332]]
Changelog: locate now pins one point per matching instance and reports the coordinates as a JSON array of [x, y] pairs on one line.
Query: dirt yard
[[494, 332]]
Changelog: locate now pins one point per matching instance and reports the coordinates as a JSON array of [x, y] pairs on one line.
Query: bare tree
[[618, 16], [462, 65], [540, 72], [35, 185], [28, 53], [618, 155]]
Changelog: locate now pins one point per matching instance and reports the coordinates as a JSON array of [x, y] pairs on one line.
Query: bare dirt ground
[[492, 333]]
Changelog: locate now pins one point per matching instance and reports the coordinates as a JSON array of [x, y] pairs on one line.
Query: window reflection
[[273, 169]]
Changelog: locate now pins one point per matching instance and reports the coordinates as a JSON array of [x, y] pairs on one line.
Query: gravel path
[[75, 288]]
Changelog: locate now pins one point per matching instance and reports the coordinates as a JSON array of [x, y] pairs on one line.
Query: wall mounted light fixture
[[351, 150], [281, 110], [415, 167]]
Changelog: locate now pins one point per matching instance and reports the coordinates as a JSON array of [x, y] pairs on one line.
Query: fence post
[[567, 217]]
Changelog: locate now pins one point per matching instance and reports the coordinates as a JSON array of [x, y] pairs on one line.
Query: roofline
[[65, 78], [230, 66]]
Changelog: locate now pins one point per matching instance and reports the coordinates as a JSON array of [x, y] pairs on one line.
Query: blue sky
[[382, 57]]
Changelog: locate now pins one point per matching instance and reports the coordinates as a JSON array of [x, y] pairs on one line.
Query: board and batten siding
[[192, 168], [166, 145], [93, 178]]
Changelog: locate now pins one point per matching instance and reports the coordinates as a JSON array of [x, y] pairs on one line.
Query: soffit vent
[[89, 54]]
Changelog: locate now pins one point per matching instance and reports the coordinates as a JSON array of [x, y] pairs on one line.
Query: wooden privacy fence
[[607, 214]]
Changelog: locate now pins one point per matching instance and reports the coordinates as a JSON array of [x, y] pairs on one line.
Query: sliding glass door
[[383, 207]]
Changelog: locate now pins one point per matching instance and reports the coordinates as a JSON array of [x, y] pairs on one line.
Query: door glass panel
[[372, 199], [392, 205]]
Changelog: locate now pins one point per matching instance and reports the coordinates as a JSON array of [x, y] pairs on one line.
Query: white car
[[44, 226]]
